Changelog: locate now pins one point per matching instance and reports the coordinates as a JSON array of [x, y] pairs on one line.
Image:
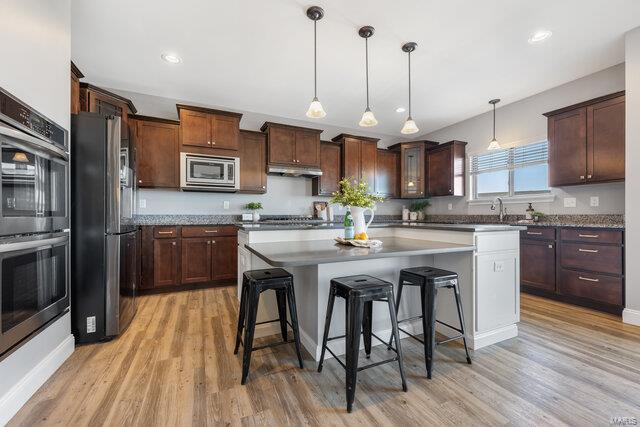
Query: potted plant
[[537, 216], [417, 208], [254, 207], [356, 197]]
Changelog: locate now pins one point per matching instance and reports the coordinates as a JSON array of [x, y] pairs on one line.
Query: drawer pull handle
[[534, 233], [165, 232], [591, 251], [591, 236], [588, 279], [210, 231], [213, 242]]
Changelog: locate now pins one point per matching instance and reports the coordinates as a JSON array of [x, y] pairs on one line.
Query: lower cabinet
[[538, 259], [174, 256]]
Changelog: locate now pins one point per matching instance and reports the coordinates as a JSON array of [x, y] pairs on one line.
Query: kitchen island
[[486, 258]]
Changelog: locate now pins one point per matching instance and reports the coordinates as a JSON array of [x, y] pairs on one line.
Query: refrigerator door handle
[[113, 176], [112, 306]]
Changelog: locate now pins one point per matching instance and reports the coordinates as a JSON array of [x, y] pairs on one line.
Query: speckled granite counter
[[475, 228], [185, 219]]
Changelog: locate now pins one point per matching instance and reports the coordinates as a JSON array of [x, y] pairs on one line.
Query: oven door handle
[[31, 144], [32, 244]]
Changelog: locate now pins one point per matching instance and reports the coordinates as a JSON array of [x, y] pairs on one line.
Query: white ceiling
[[257, 55]]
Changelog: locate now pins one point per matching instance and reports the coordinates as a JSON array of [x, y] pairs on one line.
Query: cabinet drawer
[[165, 232], [593, 286], [208, 231], [542, 233], [591, 236], [599, 258]]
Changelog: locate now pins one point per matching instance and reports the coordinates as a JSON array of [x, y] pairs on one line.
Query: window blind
[[496, 160], [512, 158], [531, 154]]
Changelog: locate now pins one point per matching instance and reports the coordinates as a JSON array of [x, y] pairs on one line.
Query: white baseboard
[[484, 339], [19, 394], [631, 317]]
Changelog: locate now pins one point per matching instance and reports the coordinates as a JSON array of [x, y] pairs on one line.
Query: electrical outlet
[[91, 324], [569, 202], [595, 201], [450, 206], [225, 204], [143, 203], [498, 266]]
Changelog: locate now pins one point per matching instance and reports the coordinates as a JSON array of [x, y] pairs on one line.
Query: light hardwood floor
[[174, 366]]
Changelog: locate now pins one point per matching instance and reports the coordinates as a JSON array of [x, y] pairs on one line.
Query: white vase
[[413, 216], [256, 216], [359, 224], [420, 215]]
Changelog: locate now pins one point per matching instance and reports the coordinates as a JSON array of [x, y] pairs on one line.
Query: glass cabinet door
[[413, 168]]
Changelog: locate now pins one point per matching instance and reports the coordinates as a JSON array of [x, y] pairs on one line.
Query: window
[[513, 172]]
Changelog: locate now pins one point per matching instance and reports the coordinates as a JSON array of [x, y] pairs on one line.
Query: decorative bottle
[[348, 225]]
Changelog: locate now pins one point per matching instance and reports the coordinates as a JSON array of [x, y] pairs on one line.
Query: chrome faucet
[[502, 211]]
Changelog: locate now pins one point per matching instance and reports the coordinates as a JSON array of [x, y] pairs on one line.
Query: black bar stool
[[254, 282], [359, 293], [430, 280]]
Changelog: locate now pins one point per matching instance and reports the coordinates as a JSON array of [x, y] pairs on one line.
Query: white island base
[[488, 279]]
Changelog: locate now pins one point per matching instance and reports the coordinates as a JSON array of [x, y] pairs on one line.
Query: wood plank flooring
[[174, 366]]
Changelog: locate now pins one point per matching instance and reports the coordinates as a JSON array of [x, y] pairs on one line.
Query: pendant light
[[368, 119], [315, 111], [409, 125], [494, 144]]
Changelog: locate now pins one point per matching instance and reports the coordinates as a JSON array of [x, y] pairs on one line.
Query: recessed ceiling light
[[400, 110], [171, 58], [539, 36]]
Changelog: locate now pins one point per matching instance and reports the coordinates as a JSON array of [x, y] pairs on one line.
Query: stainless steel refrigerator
[[104, 240]]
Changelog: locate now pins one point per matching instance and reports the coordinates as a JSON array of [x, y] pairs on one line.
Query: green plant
[[355, 194], [537, 215], [419, 205], [253, 206]]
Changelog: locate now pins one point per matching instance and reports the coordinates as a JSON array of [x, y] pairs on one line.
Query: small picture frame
[[320, 210]]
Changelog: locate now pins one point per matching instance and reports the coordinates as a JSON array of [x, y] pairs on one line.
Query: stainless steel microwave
[[200, 172]]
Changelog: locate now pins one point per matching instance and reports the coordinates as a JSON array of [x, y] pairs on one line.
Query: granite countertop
[[417, 225], [313, 252]]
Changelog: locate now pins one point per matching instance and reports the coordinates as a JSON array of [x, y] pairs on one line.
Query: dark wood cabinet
[[330, 164], [76, 75], [97, 100], [156, 151], [413, 172], [208, 131], [292, 145], [388, 173], [586, 141], [224, 252], [359, 158], [253, 162], [446, 169], [582, 266], [196, 260], [166, 260]]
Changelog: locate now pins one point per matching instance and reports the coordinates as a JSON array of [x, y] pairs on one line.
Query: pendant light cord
[[494, 121], [409, 83], [315, 60], [366, 59]]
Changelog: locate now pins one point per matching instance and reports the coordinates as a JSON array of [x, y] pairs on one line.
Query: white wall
[[521, 123], [631, 314], [35, 52]]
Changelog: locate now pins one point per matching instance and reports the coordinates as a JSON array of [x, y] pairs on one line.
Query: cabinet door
[[538, 264], [282, 145], [165, 262], [195, 128], [327, 184], [440, 172], [196, 260], [567, 135], [225, 131], [253, 162], [387, 173], [412, 171], [307, 148], [224, 258], [110, 107], [351, 159], [75, 94], [157, 154], [368, 155], [605, 140]]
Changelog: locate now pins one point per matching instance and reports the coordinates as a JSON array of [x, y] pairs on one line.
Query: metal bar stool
[[254, 282], [359, 293], [430, 280]]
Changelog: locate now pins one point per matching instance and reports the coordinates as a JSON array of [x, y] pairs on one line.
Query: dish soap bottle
[[528, 214], [348, 226]]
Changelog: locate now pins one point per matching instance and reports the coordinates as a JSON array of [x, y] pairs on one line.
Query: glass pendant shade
[[494, 145], [20, 157], [315, 110], [409, 127], [368, 119]]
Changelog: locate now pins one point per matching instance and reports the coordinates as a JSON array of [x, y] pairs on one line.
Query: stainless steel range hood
[[294, 171]]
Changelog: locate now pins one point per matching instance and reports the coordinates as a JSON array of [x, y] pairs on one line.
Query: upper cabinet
[[586, 141], [413, 173], [156, 151], [388, 173], [446, 169], [208, 131], [292, 145], [330, 164], [253, 162], [76, 75], [359, 156], [97, 100]]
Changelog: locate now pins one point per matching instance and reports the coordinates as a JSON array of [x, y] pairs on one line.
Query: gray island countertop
[[313, 252]]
